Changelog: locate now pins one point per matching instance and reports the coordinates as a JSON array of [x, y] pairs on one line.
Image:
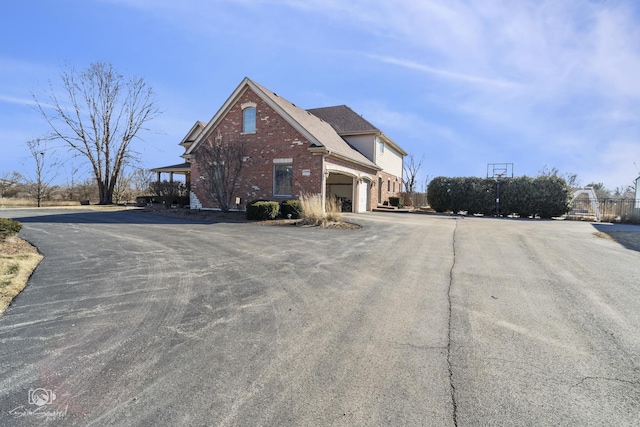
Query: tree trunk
[[106, 197]]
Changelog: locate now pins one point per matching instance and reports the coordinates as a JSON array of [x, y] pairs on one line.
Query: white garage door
[[363, 196]]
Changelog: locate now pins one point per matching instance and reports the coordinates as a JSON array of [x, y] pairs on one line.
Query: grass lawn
[[18, 259], [31, 203]]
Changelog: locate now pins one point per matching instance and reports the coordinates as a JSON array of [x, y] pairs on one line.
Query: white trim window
[[283, 180], [249, 120]]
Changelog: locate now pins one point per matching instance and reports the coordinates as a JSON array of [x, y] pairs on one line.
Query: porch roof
[[181, 168]]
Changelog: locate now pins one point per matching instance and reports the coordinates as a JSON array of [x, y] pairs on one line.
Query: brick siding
[[386, 179], [274, 138]]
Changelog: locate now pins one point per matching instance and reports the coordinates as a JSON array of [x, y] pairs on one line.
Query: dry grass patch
[[18, 259], [32, 203], [312, 213]]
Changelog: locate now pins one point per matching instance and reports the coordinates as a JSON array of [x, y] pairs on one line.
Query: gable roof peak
[[319, 132]]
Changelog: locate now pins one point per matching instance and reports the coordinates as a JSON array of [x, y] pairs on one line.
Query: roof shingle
[[319, 128], [344, 120]]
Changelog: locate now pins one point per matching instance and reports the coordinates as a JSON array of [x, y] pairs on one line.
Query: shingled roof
[[322, 131], [344, 120], [347, 122], [324, 127]]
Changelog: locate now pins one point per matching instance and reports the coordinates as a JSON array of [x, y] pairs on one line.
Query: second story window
[[249, 120]]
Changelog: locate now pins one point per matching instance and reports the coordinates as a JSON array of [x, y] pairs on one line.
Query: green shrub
[[544, 196], [261, 210], [474, 195], [554, 194], [170, 193], [9, 227], [291, 207], [396, 201]]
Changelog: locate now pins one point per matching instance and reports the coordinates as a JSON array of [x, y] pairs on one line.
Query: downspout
[[323, 190]]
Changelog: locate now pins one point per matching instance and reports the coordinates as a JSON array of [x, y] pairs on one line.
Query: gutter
[[325, 152]]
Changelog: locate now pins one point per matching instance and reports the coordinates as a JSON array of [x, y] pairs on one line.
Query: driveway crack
[[452, 386], [619, 380]]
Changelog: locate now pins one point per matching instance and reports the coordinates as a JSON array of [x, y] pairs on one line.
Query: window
[[249, 120], [381, 144], [389, 185], [283, 180]]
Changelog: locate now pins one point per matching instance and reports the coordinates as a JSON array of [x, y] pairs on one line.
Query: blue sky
[[464, 83]]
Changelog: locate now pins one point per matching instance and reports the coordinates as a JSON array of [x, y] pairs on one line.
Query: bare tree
[[571, 178], [8, 181], [602, 192], [86, 190], [626, 193], [45, 173], [141, 180], [72, 180], [220, 162], [100, 115], [122, 190], [411, 168]]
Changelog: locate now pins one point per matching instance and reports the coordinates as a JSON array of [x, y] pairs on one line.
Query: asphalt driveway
[[133, 319]]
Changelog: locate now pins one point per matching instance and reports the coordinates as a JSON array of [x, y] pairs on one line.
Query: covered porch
[[179, 169]]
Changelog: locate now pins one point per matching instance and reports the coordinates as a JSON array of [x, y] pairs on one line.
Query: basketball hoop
[[498, 171]]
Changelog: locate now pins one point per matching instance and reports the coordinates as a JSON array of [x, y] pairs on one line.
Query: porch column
[[355, 194]]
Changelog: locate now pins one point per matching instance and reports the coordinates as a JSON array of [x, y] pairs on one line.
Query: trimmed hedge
[[546, 196], [476, 195], [262, 210], [292, 207], [9, 227]]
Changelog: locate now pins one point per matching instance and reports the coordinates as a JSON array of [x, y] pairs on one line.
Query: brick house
[[288, 150]]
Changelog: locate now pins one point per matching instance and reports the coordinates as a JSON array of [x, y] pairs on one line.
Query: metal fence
[[609, 210]]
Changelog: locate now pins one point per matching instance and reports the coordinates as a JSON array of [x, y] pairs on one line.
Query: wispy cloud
[[449, 75], [396, 120], [27, 102], [557, 78]]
